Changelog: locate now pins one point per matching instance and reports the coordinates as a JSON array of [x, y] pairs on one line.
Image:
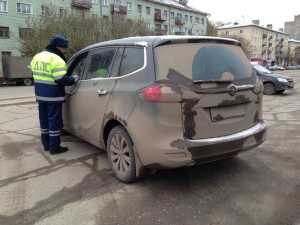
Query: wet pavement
[[260, 186]]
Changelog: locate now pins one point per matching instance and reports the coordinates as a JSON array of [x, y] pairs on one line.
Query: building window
[[105, 18], [157, 11], [139, 8], [202, 21], [197, 20], [129, 6], [94, 1], [179, 15], [4, 32], [157, 26], [23, 33], [172, 15], [105, 2], [241, 31], [94, 15], [177, 29], [191, 19], [186, 18], [62, 12], [45, 10], [24, 8], [3, 6], [166, 13], [148, 10]]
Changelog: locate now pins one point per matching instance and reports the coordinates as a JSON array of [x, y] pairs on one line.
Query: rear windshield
[[201, 61]]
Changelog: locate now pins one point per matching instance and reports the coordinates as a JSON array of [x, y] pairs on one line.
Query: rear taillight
[[152, 93], [160, 93]]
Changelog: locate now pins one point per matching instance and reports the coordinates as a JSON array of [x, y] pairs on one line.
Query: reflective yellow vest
[[47, 70]]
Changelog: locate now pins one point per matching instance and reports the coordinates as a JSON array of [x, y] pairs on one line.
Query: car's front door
[[93, 93]]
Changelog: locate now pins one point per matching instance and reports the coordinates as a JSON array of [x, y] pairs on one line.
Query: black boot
[[60, 150]]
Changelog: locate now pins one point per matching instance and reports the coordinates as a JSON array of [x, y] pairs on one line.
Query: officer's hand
[[76, 78]]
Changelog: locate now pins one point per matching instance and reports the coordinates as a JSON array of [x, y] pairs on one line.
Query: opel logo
[[232, 89]]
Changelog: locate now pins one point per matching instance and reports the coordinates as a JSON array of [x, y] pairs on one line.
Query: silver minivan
[[164, 102]]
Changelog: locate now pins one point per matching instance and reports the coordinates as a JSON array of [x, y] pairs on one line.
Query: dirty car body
[[164, 102]]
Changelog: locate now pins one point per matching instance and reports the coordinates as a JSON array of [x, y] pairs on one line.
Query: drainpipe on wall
[[169, 30], [101, 18]]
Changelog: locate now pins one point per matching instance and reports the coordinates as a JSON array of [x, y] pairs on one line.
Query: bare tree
[[211, 29], [80, 31], [245, 43]]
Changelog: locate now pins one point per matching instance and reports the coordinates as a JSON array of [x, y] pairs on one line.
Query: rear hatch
[[219, 89]]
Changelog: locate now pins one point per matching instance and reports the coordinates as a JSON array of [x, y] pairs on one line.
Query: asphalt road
[[258, 187]]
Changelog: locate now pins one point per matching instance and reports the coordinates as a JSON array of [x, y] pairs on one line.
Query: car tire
[[121, 155], [27, 82], [269, 89]]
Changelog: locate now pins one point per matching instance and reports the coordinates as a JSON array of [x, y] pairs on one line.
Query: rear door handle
[[102, 92]]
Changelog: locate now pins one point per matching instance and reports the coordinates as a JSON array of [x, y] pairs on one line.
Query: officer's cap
[[59, 40]]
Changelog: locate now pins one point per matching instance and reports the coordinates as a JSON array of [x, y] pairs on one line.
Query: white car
[[276, 67]]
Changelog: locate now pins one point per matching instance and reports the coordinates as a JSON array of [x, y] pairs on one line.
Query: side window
[[100, 63], [78, 65], [132, 60]]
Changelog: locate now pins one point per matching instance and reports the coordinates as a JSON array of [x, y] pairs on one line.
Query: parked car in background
[[293, 67], [273, 83], [276, 67], [164, 102]]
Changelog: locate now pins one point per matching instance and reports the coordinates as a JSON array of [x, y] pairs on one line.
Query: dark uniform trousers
[[51, 124]]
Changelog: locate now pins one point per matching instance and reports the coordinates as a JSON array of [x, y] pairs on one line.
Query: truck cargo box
[[16, 71]]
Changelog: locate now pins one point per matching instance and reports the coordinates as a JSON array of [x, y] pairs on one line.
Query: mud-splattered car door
[[93, 94]]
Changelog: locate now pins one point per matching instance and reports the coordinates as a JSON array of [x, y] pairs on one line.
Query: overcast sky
[[267, 12]]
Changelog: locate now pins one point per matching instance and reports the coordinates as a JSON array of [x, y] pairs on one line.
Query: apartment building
[[294, 52], [163, 16], [265, 42], [293, 28]]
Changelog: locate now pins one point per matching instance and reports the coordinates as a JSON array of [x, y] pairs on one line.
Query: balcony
[[264, 36], [85, 4], [114, 8], [179, 21], [270, 37], [160, 17], [270, 44], [280, 45]]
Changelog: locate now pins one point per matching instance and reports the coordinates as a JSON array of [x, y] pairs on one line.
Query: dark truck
[[16, 70]]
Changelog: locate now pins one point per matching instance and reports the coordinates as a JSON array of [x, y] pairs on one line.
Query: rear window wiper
[[212, 81]]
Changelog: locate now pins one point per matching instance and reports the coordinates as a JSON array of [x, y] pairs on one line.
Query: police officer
[[49, 72]]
